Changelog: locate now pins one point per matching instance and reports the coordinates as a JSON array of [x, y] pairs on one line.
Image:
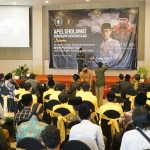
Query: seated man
[[88, 96], [116, 85], [86, 131], [17, 93], [25, 113], [63, 98], [37, 86], [59, 88], [125, 85], [80, 92], [34, 126], [75, 85], [51, 138], [51, 90], [110, 105], [126, 119], [75, 102], [137, 84], [27, 90], [136, 139]]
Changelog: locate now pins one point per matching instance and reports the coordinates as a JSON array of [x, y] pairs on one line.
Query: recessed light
[[14, 3], [46, 1], [87, 0]]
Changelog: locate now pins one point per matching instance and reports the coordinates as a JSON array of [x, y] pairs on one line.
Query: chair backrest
[[119, 99], [62, 111], [30, 143], [47, 96], [90, 105], [112, 114], [21, 121], [132, 92], [17, 96], [52, 103], [71, 124], [104, 123], [33, 91], [75, 145], [20, 106], [115, 90]]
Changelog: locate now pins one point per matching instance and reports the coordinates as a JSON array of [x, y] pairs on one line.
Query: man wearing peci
[[110, 50], [80, 59]]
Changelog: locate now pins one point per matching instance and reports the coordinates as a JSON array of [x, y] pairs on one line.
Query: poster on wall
[[106, 35]]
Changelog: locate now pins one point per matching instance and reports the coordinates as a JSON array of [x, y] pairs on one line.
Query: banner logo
[[58, 21]]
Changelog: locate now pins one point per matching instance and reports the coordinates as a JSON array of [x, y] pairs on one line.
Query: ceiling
[[57, 2]]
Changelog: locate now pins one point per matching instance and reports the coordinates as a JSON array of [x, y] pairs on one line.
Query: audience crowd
[[55, 115]]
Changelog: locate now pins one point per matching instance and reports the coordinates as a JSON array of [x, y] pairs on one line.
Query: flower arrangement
[[21, 70]]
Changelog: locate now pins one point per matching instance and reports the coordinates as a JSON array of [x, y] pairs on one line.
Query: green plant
[[21, 70], [143, 72]]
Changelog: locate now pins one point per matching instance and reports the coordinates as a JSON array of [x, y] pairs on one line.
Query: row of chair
[[30, 143]]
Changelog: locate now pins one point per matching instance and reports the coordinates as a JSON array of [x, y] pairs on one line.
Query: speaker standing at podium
[[80, 59]]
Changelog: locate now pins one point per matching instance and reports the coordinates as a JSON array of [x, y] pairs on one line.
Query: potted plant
[[20, 71], [143, 72]]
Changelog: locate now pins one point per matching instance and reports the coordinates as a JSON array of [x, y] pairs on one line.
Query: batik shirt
[[31, 128]]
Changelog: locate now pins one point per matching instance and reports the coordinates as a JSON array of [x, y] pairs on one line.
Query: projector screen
[[14, 26]]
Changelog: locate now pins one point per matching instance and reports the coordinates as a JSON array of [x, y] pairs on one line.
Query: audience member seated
[[25, 113], [126, 119], [27, 90], [80, 92], [137, 84], [88, 96], [17, 92], [75, 102], [86, 131], [136, 139], [46, 86], [37, 86], [125, 85], [116, 85], [21, 88], [51, 138], [75, 86], [63, 98], [110, 105], [51, 90], [34, 126], [60, 87]]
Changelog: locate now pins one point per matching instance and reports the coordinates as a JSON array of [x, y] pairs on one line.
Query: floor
[[11, 114]]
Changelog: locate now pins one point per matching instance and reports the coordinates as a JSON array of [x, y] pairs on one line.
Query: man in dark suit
[[125, 85], [49, 77], [37, 86]]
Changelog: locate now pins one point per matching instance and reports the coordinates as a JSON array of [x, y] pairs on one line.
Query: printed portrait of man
[[110, 50]]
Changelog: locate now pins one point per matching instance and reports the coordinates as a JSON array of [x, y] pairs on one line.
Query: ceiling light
[[14, 3], [87, 0], [46, 1]]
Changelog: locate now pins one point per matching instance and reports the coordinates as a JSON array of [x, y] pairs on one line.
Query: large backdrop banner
[[107, 35]]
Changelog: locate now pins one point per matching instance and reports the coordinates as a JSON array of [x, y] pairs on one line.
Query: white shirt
[[89, 133], [110, 50], [134, 140]]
